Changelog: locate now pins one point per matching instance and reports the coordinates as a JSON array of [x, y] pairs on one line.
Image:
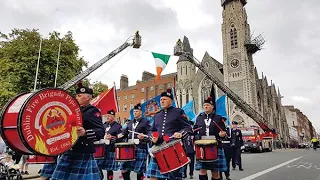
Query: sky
[[288, 58]]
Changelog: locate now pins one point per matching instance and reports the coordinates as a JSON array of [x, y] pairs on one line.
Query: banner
[[189, 110], [106, 101]]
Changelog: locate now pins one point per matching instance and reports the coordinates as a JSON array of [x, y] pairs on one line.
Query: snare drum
[[206, 150], [36, 159], [99, 151], [125, 151], [170, 156]]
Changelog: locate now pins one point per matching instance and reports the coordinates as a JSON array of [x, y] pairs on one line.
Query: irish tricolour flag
[[161, 63]]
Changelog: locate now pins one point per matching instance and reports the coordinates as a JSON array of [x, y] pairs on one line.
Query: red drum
[[125, 151], [35, 159], [42, 122], [100, 151], [206, 150], [170, 156]]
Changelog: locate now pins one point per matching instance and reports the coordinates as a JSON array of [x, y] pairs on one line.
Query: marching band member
[[112, 130], [47, 170], [188, 144], [142, 126], [79, 162], [172, 122], [212, 124], [236, 143], [227, 151]]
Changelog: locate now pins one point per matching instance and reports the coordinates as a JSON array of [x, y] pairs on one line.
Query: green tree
[[98, 88], [18, 60]]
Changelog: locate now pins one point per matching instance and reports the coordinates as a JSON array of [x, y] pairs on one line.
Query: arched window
[[233, 37], [180, 99], [186, 70], [181, 70], [187, 96]]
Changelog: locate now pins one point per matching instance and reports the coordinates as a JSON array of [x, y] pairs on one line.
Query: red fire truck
[[255, 141]]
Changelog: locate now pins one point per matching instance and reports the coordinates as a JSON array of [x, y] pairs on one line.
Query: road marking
[[269, 170]]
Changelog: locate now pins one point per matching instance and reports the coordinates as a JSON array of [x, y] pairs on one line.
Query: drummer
[[209, 121], [80, 158], [142, 126], [47, 170], [112, 128], [172, 122]]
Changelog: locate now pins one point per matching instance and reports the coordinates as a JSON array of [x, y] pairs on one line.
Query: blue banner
[[151, 107], [189, 110]]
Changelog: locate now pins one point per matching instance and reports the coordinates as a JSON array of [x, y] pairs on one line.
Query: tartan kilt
[[47, 170], [153, 171], [220, 165], [79, 166], [139, 165], [109, 163]]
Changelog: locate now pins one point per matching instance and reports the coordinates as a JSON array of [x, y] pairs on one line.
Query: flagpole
[[116, 97], [37, 70], [55, 80]]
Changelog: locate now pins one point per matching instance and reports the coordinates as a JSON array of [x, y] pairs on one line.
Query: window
[[187, 96], [151, 88], [119, 107], [233, 37], [125, 97], [186, 70], [181, 70], [247, 132], [142, 89], [169, 85], [160, 86], [132, 96], [119, 98], [131, 106], [142, 101], [180, 98], [125, 107]]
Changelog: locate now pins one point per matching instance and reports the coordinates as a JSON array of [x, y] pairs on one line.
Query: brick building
[[142, 91]]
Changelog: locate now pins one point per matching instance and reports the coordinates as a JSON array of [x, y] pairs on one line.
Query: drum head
[[123, 144], [205, 142], [48, 122]]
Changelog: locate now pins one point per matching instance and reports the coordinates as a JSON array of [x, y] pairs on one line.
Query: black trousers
[[191, 164], [228, 154], [236, 157]]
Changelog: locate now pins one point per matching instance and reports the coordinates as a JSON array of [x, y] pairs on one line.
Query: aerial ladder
[[245, 107], [135, 43]]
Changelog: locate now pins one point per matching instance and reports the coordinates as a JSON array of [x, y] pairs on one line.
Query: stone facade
[[238, 72]]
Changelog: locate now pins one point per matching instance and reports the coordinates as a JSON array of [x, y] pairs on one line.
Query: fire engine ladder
[[136, 43], [246, 108]]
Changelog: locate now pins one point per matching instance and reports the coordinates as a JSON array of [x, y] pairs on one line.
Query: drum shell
[[99, 151], [206, 152], [18, 129], [125, 152], [36, 159], [170, 156]]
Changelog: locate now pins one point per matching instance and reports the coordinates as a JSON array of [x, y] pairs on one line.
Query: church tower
[[185, 74], [238, 67]]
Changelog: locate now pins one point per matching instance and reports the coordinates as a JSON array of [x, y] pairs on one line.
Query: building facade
[[142, 91]]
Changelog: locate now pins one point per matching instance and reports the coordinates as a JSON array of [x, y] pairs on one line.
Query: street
[[290, 164]]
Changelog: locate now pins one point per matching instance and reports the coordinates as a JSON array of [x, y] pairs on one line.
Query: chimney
[[124, 82], [147, 76]]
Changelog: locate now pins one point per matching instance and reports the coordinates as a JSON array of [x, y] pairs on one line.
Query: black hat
[[138, 106], [83, 90], [209, 100], [111, 112], [167, 93], [235, 122]]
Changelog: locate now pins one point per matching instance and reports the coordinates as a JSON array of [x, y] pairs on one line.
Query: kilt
[[139, 165], [109, 163], [153, 171], [47, 170], [79, 166], [219, 165]]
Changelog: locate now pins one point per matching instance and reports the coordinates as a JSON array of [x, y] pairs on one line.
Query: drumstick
[[197, 129], [138, 133]]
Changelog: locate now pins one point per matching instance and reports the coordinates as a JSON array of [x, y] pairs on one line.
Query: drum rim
[[175, 168], [2, 115], [159, 148], [20, 119], [209, 143], [123, 143]]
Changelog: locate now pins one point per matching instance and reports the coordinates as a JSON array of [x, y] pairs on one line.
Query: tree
[[18, 60], [98, 88]]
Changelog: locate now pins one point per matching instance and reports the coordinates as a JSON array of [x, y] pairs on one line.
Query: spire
[[186, 48]]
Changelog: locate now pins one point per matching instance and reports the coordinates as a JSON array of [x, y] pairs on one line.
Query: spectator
[[3, 146], [24, 167]]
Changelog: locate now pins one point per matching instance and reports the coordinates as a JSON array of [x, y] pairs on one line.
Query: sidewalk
[[33, 170]]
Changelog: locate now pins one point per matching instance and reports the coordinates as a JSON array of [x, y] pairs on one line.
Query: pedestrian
[[236, 144], [227, 151], [169, 121], [79, 162], [211, 125], [24, 167], [141, 126], [112, 129]]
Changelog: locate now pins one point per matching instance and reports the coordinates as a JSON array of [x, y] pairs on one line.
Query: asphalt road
[[287, 164]]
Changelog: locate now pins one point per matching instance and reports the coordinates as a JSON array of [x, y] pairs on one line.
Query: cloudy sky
[[291, 28]]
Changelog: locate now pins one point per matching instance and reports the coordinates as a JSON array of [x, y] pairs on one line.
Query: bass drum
[[41, 123]]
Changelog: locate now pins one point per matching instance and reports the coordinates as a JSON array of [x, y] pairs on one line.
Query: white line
[[270, 169]]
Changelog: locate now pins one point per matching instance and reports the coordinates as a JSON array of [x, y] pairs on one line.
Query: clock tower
[[238, 65]]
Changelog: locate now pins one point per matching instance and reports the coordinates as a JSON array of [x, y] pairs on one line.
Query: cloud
[[289, 58]]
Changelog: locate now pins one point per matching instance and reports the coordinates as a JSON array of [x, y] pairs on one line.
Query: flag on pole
[[161, 63], [106, 101], [213, 95]]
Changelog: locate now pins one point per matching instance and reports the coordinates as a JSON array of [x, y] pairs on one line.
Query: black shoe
[[234, 168], [26, 173], [241, 169], [228, 178], [191, 177]]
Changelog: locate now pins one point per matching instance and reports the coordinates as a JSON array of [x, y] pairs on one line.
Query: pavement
[[284, 164]]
